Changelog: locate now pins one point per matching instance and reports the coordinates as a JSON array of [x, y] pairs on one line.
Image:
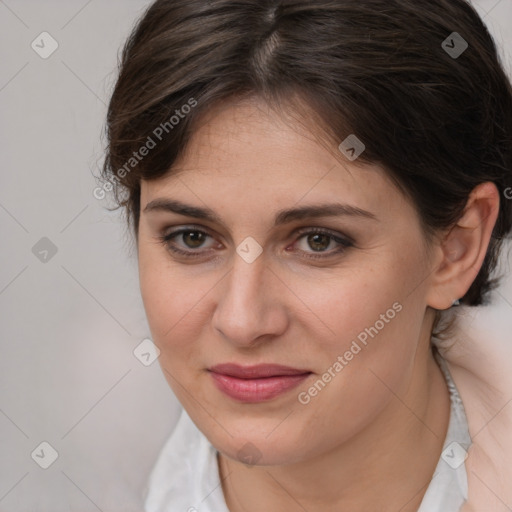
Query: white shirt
[[185, 477]]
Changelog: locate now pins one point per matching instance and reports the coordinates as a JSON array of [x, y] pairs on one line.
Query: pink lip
[[256, 383]]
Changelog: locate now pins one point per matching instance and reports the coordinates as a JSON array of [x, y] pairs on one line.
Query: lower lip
[[256, 390]]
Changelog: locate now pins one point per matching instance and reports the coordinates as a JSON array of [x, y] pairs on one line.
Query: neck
[[386, 467]]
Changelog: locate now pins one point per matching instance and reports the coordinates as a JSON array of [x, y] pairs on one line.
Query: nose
[[250, 308]]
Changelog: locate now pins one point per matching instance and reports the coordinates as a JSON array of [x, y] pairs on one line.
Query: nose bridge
[[246, 305]]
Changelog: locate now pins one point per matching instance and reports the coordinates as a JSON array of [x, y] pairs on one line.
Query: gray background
[[68, 374]]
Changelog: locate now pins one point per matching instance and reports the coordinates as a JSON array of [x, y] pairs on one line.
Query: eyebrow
[[282, 216]]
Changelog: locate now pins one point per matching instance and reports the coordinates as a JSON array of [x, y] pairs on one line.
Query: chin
[[257, 441], [258, 451]]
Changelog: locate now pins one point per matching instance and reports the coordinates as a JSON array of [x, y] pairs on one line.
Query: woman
[[312, 186]]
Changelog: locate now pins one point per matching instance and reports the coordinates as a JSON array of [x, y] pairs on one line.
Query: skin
[[371, 439]]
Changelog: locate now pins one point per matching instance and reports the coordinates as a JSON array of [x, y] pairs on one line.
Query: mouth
[[251, 384]]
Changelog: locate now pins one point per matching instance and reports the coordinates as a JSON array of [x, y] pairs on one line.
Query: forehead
[[247, 150], [252, 134]]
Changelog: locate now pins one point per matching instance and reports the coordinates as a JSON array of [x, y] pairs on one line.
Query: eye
[[312, 241], [319, 241], [190, 237]]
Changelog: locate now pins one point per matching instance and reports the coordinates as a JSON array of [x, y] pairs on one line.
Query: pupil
[[195, 237], [314, 243]]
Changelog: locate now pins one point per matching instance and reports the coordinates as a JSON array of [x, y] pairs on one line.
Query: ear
[[461, 252]]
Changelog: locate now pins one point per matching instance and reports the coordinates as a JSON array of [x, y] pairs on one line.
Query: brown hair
[[435, 114]]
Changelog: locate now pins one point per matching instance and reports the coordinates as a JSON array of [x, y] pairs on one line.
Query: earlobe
[[464, 247]]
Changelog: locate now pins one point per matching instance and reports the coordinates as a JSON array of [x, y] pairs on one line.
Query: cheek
[[170, 301], [168, 296], [354, 301], [179, 307], [370, 316]]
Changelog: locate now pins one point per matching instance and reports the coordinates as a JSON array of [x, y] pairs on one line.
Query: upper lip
[[256, 371]]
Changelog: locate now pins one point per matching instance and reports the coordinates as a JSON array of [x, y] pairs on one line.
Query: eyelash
[[345, 243]]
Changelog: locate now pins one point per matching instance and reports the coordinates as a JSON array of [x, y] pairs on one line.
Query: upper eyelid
[[208, 231]]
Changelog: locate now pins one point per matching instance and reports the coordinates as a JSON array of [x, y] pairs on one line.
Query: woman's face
[[340, 297]]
